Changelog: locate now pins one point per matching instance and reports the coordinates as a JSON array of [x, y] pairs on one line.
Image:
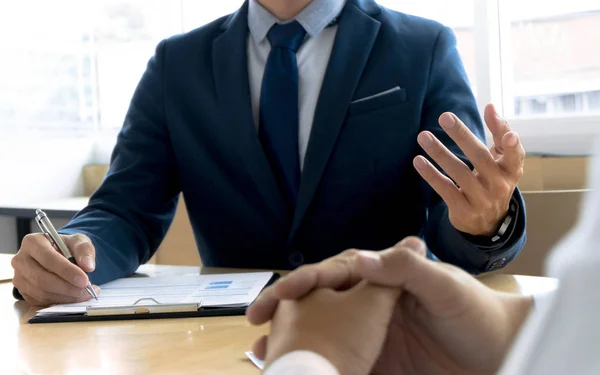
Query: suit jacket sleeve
[[448, 89], [128, 216]]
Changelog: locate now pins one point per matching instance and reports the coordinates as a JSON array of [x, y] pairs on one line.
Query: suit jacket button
[[296, 259], [497, 264]]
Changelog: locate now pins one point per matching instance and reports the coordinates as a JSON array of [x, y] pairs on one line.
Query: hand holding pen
[[52, 268], [52, 235]]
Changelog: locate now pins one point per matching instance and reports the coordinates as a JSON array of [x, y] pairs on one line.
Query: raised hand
[[478, 199]]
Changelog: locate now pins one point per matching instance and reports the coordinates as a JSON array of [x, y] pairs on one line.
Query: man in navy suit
[[294, 130]]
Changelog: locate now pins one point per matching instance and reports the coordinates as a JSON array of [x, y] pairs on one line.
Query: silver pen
[[52, 235]]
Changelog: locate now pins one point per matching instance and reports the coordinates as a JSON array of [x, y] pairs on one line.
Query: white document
[[222, 290], [257, 362]]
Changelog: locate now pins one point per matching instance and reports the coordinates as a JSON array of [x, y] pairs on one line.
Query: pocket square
[[386, 92]]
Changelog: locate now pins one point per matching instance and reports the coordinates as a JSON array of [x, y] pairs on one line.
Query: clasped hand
[[389, 312]]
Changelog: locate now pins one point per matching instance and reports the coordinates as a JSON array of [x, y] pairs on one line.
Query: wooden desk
[[23, 212], [177, 346]]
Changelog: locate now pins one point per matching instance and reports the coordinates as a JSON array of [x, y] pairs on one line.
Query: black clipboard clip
[[137, 308]]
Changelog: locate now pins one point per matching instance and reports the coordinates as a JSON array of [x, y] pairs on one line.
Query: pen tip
[[92, 292]]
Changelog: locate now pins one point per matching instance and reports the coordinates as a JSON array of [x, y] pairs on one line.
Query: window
[[70, 67], [531, 106], [126, 33], [551, 53], [45, 68], [457, 14], [594, 100], [197, 13]]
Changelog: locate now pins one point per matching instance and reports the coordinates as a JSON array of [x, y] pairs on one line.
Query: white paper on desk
[[222, 290], [257, 362]]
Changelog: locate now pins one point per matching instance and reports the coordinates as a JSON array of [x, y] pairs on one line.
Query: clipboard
[[146, 308]]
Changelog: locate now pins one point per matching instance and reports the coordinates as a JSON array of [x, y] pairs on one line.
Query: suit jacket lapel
[[233, 90], [355, 37]]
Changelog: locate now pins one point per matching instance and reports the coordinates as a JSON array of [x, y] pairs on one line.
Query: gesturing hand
[[477, 200]]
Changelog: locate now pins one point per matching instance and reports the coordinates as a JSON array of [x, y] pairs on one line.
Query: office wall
[[30, 169], [103, 149]]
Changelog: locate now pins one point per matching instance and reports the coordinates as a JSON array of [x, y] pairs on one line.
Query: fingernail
[[80, 281], [512, 139], [420, 163], [96, 289], [447, 121], [425, 139], [88, 262], [372, 258]]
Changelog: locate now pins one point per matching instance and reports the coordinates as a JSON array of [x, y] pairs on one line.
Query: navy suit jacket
[[190, 130]]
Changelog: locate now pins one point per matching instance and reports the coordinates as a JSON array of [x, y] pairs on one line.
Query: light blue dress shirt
[[313, 57]]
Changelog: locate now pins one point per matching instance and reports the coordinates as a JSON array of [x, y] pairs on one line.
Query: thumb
[[514, 155], [83, 250], [381, 267], [498, 126]]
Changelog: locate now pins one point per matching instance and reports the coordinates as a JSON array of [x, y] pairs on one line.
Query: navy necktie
[[278, 113]]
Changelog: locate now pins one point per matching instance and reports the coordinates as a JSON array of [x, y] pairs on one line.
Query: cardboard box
[[533, 175], [179, 246], [93, 175], [565, 173], [550, 216], [554, 173], [553, 187]]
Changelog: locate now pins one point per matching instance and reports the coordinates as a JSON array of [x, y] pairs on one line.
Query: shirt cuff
[[485, 243], [301, 362]]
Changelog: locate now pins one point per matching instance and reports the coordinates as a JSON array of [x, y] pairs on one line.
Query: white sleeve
[[561, 334], [301, 362], [524, 345]]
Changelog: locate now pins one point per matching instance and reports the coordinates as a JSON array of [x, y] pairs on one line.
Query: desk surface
[[177, 346], [58, 208]]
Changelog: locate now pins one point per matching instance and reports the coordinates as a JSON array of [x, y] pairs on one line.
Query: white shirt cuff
[[301, 362]]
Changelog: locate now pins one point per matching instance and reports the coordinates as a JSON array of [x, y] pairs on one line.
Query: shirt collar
[[314, 18]]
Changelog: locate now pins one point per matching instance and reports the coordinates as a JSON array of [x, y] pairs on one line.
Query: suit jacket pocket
[[375, 102]]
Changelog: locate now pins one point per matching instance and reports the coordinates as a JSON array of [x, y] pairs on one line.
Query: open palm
[[477, 200]]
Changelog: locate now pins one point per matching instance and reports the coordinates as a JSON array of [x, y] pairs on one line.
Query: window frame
[[492, 27], [539, 134]]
